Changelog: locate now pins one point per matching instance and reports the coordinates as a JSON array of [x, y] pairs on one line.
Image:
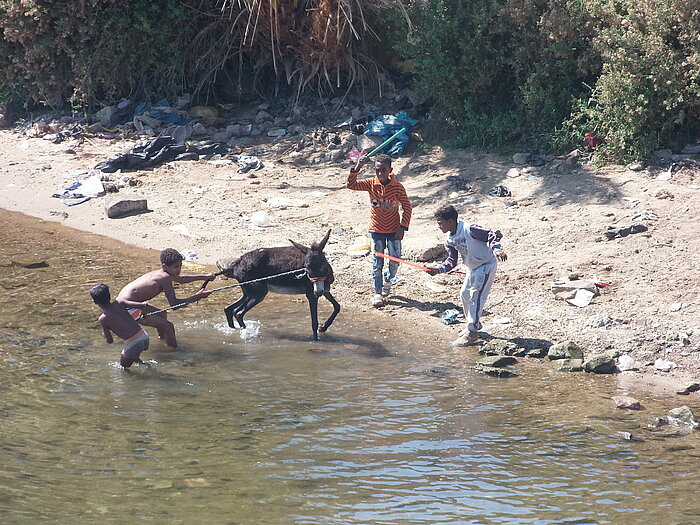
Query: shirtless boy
[[136, 294], [115, 318]]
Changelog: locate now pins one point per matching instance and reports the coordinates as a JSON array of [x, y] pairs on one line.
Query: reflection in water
[[357, 428]]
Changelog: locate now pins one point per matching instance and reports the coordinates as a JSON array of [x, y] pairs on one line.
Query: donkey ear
[[323, 242], [300, 247]]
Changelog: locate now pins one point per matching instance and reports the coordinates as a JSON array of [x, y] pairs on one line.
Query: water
[[371, 425]]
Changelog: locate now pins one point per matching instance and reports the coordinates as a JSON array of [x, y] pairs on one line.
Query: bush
[[648, 94], [85, 52]]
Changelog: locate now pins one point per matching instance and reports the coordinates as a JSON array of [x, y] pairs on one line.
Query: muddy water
[[371, 425]]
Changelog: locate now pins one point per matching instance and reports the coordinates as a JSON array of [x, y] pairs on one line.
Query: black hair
[[383, 159], [446, 212], [170, 256], [100, 294]]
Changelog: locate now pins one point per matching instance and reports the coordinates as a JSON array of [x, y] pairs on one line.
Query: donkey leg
[[313, 308], [230, 309], [336, 311], [253, 296]]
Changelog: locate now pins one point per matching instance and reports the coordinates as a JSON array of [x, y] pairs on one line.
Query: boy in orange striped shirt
[[386, 226]]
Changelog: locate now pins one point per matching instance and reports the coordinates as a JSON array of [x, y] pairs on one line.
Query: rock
[[124, 206], [497, 360], [500, 347], [663, 154], [29, 262], [689, 389], [565, 350], [626, 402], [568, 365], [368, 142], [513, 172], [423, 251], [521, 158], [203, 112], [600, 364], [635, 166], [7, 116], [682, 417], [495, 371]]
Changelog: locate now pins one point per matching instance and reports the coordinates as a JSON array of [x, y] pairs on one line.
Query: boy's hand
[[500, 255], [201, 294], [433, 271]]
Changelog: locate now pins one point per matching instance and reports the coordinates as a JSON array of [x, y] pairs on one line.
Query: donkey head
[[317, 267]]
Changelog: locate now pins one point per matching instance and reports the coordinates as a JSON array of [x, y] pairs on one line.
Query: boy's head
[[171, 260], [100, 294], [446, 217], [382, 167]]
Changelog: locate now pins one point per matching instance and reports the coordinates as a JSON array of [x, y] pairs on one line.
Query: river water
[[374, 424]]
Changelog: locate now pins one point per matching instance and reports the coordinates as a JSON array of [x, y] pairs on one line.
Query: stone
[[565, 350], [682, 416], [501, 347], [497, 360], [626, 402], [568, 365], [125, 206], [600, 364], [29, 262], [521, 158], [423, 251], [495, 371]]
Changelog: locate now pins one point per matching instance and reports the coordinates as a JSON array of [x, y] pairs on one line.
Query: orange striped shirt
[[385, 200]]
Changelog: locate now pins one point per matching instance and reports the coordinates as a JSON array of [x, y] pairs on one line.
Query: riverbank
[[553, 224]]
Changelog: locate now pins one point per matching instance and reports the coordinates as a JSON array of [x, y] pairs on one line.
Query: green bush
[[541, 73], [647, 95], [88, 52]]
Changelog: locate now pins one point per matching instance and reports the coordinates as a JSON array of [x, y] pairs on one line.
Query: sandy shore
[[553, 226]]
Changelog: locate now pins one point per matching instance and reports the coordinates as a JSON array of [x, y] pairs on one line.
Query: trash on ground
[[615, 233], [259, 220], [582, 298], [449, 316], [247, 163], [500, 191]]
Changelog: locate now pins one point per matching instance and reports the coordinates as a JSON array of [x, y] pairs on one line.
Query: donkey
[[314, 279]]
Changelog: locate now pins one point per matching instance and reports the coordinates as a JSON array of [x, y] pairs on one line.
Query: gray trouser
[[475, 291]]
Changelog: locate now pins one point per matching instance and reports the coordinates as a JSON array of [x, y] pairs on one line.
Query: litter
[[247, 163], [500, 191], [449, 316], [582, 298], [82, 190], [259, 220]]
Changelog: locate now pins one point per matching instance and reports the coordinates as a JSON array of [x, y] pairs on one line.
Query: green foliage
[[541, 73], [647, 95], [91, 51]]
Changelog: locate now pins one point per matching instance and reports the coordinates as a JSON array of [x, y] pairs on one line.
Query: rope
[[180, 305]]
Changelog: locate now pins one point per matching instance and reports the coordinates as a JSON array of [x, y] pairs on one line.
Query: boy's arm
[[133, 304], [406, 210], [106, 331], [491, 238], [184, 279], [169, 292], [354, 184], [449, 263]]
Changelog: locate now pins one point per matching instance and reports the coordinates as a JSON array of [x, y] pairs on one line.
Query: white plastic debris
[[664, 365], [625, 362]]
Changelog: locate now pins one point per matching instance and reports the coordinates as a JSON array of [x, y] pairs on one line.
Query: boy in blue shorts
[[115, 318]]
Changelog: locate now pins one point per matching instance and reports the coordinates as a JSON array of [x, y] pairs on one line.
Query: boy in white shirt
[[480, 250]]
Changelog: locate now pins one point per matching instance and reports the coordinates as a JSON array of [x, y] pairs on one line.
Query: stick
[[387, 141], [391, 257]]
